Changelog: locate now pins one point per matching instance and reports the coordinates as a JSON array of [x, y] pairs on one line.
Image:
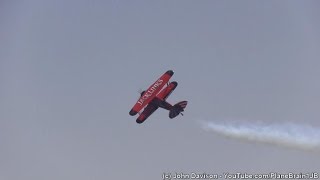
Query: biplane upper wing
[[151, 92], [163, 95]]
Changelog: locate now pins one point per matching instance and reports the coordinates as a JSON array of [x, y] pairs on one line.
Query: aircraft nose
[[170, 72]]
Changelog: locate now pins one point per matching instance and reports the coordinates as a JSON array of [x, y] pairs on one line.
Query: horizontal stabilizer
[[177, 109]]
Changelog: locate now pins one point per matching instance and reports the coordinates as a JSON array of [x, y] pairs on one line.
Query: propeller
[[140, 90]]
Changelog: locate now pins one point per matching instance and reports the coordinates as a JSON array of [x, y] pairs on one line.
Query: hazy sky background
[[70, 72]]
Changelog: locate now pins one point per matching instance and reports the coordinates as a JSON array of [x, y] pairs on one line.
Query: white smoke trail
[[286, 135]]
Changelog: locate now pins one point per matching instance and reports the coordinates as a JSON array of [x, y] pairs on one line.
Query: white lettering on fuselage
[[149, 93]]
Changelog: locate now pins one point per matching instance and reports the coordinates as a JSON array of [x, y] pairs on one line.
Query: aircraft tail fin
[[177, 109]]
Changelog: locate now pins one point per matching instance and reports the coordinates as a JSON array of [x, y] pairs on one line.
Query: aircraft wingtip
[[170, 72], [132, 112]]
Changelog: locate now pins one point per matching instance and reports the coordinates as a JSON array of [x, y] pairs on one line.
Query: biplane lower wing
[[151, 92], [151, 108]]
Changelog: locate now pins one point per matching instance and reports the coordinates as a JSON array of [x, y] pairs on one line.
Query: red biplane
[[155, 96]]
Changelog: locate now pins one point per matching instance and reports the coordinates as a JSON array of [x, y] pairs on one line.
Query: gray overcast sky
[[70, 72]]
